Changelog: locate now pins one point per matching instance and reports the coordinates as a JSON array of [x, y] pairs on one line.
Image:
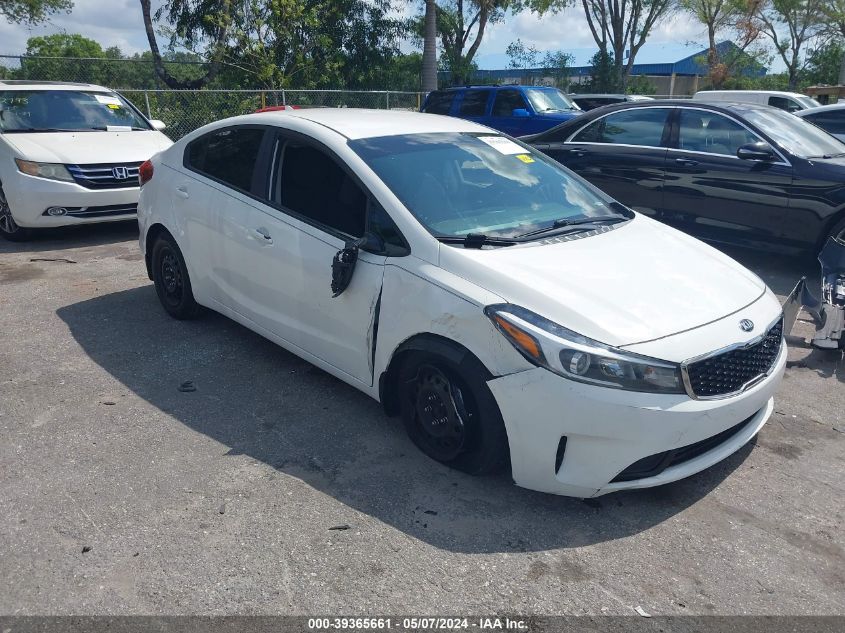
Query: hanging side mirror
[[343, 265], [759, 151]]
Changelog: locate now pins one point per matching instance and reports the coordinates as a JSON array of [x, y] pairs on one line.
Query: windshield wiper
[[839, 155], [27, 130], [563, 224], [475, 240]]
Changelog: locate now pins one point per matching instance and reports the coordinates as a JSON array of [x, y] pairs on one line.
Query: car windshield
[[794, 134], [458, 183], [549, 100], [65, 111], [808, 102]]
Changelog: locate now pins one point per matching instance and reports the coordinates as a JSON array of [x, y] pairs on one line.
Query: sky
[[119, 23]]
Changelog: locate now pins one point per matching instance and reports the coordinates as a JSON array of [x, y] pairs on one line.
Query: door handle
[[686, 162], [578, 152], [262, 234], [182, 191]]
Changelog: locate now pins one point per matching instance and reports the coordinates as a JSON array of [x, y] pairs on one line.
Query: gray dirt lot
[[221, 501]]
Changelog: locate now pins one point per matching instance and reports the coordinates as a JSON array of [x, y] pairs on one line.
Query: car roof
[[493, 87], [777, 93], [26, 84], [608, 95], [824, 108], [355, 123]]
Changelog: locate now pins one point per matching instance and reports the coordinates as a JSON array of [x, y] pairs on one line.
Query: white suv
[[69, 154]]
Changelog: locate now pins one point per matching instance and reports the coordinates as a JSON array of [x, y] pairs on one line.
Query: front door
[[314, 208], [710, 192]]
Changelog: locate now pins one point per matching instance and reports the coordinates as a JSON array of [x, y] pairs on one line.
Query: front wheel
[[8, 227], [451, 415], [172, 283]]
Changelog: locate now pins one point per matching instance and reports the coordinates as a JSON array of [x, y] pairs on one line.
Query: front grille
[[731, 371], [656, 464], [105, 175], [99, 212]]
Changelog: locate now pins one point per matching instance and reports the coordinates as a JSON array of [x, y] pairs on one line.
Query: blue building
[[669, 79]]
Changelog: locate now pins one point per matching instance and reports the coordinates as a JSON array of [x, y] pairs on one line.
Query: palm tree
[[429, 60]]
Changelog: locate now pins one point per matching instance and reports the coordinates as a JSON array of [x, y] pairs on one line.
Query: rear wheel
[[450, 413], [8, 227], [839, 231], [172, 283]]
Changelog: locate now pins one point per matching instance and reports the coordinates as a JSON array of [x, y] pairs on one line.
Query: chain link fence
[[186, 110]]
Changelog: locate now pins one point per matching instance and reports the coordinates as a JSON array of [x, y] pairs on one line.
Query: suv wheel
[[8, 227]]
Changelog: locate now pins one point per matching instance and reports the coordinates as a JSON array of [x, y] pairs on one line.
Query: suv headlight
[[577, 357], [50, 171]]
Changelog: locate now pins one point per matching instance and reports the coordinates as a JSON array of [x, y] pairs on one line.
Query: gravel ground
[[121, 494]]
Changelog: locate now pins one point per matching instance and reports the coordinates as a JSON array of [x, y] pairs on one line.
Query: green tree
[[461, 25], [523, 58], [32, 11], [37, 65], [557, 64], [824, 63], [792, 26], [733, 20]]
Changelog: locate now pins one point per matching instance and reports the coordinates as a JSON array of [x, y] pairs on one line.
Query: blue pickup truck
[[514, 110]]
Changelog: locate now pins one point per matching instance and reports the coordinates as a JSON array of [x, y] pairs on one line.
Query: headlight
[[577, 357], [51, 171]]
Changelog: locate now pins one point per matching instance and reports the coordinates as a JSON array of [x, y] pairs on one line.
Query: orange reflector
[[525, 341]]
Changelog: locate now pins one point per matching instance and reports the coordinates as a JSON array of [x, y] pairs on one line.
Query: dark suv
[[514, 110]]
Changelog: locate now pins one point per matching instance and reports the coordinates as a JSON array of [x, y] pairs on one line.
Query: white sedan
[[514, 315]]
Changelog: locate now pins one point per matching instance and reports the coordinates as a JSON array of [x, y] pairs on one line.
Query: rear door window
[[638, 126], [507, 101], [440, 102], [228, 155], [474, 103]]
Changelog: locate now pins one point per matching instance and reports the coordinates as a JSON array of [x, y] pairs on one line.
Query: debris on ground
[[340, 527], [187, 386]]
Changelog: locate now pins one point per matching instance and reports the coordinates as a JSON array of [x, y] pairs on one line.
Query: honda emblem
[[120, 173]]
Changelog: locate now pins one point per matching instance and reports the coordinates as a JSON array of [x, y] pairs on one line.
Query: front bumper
[[608, 430], [29, 197]]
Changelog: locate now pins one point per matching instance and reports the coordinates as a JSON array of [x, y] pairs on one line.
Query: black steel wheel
[[450, 414], [172, 283]]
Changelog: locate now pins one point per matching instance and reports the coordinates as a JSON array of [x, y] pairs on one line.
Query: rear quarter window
[[227, 155]]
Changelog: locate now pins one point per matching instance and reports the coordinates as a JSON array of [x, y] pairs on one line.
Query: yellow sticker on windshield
[[525, 158], [112, 106]]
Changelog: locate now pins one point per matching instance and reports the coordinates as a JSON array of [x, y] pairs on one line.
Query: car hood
[[88, 147], [639, 282]]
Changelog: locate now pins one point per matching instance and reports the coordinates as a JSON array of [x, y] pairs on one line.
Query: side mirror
[[756, 151], [343, 265], [520, 112], [158, 125]]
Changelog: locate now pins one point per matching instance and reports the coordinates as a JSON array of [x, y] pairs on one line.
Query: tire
[[8, 227], [450, 414], [172, 283]]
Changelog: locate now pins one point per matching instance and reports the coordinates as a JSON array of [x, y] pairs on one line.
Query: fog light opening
[[561, 449], [54, 211]]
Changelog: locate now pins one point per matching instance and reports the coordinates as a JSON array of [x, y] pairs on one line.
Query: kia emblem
[[746, 325], [120, 173]]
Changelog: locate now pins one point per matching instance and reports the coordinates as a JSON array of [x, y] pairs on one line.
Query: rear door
[[712, 193], [623, 153], [474, 104], [220, 172]]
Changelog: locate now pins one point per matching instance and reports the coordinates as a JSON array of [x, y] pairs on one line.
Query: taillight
[[145, 172]]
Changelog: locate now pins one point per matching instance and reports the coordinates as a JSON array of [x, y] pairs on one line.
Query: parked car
[[507, 309], [789, 101], [514, 110], [830, 118], [592, 101], [746, 174], [69, 154]]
